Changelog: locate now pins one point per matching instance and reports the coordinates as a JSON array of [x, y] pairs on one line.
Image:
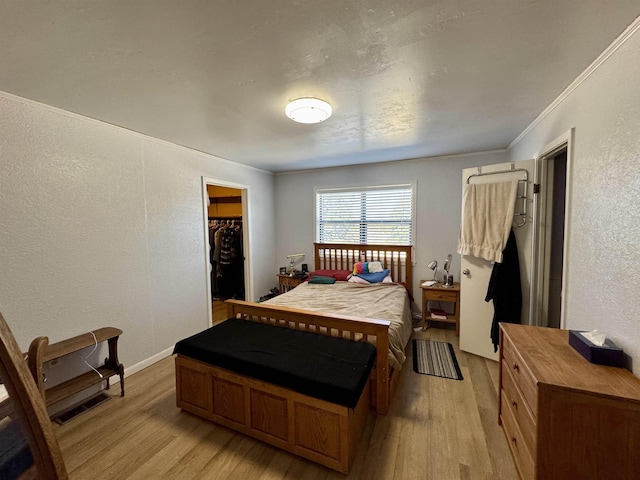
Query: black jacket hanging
[[505, 290]]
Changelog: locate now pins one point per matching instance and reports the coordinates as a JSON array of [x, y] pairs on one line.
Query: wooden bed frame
[[340, 256], [321, 431]]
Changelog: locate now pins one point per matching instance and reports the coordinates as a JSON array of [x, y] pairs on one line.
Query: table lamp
[[292, 258], [447, 281], [433, 265]]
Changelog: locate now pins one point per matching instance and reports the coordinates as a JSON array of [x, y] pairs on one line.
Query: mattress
[[328, 368], [382, 301]]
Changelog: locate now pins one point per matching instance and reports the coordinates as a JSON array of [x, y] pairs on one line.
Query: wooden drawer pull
[[514, 404], [516, 367]]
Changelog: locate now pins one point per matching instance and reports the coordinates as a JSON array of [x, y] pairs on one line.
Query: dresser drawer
[[512, 395], [521, 375], [521, 455]]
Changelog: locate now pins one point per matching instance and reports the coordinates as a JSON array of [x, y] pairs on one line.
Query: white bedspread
[[383, 301]]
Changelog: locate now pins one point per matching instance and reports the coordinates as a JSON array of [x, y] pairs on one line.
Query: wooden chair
[[30, 410]]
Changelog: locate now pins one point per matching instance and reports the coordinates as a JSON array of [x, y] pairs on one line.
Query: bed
[[311, 307], [231, 390]]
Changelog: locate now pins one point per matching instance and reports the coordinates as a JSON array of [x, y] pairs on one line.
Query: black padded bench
[[328, 368], [279, 385]]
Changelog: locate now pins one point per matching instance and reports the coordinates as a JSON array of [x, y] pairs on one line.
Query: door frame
[[538, 279], [248, 283]]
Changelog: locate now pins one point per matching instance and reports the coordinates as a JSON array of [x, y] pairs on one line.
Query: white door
[[476, 315]]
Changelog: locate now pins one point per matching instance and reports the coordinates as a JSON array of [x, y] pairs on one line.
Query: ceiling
[[406, 78]]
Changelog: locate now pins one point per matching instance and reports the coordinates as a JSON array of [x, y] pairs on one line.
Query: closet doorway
[[226, 244]]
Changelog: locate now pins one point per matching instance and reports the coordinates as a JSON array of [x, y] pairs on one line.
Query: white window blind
[[367, 215]]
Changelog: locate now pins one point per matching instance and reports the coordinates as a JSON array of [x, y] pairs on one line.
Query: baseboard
[[143, 364]]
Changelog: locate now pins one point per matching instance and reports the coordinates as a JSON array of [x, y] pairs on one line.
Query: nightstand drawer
[[442, 295]]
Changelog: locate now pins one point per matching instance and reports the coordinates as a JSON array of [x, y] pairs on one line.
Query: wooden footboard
[[345, 326]]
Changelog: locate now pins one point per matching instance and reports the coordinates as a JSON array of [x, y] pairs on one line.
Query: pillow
[[341, 275], [374, 277], [322, 280], [367, 267], [362, 281], [358, 279]]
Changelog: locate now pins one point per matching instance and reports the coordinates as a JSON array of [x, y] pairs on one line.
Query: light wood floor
[[437, 429]]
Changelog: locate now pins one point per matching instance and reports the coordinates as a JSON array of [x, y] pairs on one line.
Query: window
[[366, 215]]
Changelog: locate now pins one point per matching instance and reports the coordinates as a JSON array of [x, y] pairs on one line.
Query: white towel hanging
[[487, 215]]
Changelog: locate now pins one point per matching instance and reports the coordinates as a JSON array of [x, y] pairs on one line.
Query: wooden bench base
[[315, 429], [40, 352]]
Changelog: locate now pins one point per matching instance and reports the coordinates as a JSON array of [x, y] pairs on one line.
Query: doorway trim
[[248, 283], [564, 141]]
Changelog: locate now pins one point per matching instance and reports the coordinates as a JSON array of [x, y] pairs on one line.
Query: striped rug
[[435, 358]]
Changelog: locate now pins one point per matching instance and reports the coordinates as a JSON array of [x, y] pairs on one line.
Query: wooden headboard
[[341, 256]]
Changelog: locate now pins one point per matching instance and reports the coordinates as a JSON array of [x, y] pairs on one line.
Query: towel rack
[[523, 197]]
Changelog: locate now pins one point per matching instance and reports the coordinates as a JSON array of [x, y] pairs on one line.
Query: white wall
[[438, 204], [603, 278], [100, 226]]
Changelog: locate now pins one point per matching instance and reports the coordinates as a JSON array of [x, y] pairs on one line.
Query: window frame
[[411, 185]]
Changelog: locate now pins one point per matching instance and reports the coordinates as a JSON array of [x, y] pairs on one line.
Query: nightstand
[[443, 294], [288, 282]]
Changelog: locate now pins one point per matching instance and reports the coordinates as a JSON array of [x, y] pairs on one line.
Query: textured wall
[[100, 226], [603, 278], [438, 205]]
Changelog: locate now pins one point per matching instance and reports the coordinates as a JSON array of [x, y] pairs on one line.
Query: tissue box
[[608, 354]]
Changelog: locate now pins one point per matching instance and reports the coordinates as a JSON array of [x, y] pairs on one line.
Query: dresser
[[565, 418]]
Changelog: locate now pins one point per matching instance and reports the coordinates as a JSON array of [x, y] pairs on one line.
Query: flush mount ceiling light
[[308, 110]]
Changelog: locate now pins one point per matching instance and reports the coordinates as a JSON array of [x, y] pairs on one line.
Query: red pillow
[[340, 275]]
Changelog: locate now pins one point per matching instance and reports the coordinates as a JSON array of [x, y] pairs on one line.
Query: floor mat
[[435, 358]]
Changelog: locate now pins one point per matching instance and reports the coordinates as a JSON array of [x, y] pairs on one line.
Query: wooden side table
[[442, 294], [288, 282], [40, 352]]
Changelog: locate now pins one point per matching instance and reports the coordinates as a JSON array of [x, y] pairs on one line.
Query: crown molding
[[610, 50]]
